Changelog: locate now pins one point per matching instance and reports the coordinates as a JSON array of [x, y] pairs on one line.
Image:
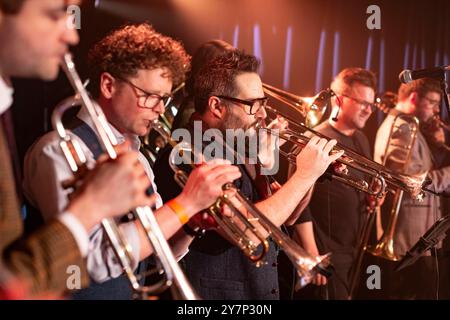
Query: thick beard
[[232, 121]]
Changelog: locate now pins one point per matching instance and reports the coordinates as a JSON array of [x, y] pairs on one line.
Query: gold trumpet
[[307, 266], [173, 275], [387, 179]]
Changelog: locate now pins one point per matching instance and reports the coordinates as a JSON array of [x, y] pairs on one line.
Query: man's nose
[[436, 109], [261, 114], [160, 107], [70, 35]]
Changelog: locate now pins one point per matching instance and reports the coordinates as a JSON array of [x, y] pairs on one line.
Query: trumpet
[[307, 266], [173, 275], [441, 123], [387, 179]]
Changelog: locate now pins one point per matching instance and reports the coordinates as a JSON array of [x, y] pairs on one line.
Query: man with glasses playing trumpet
[[333, 218], [228, 95], [133, 71], [420, 99]]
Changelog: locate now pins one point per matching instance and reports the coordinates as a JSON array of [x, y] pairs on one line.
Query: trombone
[[307, 265], [310, 108], [409, 124], [387, 179], [404, 125], [173, 276]]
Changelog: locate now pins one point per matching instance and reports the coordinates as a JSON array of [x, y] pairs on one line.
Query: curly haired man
[[133, 71]]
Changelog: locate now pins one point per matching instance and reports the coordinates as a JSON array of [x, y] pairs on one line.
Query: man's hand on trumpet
[[205, 183], [112, 188], [268, 141]]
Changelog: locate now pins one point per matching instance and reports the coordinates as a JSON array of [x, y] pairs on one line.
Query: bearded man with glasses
[[229, 97], [332, 221]]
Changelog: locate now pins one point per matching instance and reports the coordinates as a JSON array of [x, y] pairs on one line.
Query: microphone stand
[[443, 80], [433, 236]]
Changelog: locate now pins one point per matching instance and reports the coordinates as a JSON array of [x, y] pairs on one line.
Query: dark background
[[302, 43]]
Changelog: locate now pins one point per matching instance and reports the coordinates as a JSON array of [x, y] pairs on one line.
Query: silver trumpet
[[249, 215], [173, 275]]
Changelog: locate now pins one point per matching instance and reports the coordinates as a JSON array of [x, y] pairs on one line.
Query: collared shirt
[[6, 96], [69, 220], [46, 168]]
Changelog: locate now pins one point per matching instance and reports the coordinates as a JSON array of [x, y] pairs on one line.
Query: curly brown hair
[[135, 47]]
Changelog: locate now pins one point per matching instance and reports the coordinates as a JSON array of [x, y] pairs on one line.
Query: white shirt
[[6, 96], [66, 218], [46, 168]]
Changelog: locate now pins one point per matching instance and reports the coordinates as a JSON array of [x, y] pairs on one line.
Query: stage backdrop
[[302, 44]]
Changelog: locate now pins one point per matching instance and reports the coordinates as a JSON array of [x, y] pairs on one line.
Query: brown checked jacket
[[41, 259]]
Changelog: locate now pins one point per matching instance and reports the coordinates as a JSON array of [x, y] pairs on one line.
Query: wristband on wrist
[[179, 211]]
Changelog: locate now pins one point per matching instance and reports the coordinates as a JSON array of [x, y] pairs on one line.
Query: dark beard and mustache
[[234, 122]]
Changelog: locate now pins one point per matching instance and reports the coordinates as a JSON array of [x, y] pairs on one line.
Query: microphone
[[433, 236], [406, 76], [335, 118]]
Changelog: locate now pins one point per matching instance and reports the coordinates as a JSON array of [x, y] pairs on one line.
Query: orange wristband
[[178, 210]]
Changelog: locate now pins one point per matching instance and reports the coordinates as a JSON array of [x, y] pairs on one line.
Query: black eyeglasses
[[364, 104], [148, 100], [254, 104], [434, 103]]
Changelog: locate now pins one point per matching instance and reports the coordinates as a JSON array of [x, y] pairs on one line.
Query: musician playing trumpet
[[229, 96], [133, 71]]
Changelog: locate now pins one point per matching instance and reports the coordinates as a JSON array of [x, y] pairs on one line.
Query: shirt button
[[275, 264], [274, 291]]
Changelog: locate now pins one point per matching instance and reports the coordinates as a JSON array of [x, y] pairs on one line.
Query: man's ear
[[108, 85], [413, 98], [216, 108], [338, 100]]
